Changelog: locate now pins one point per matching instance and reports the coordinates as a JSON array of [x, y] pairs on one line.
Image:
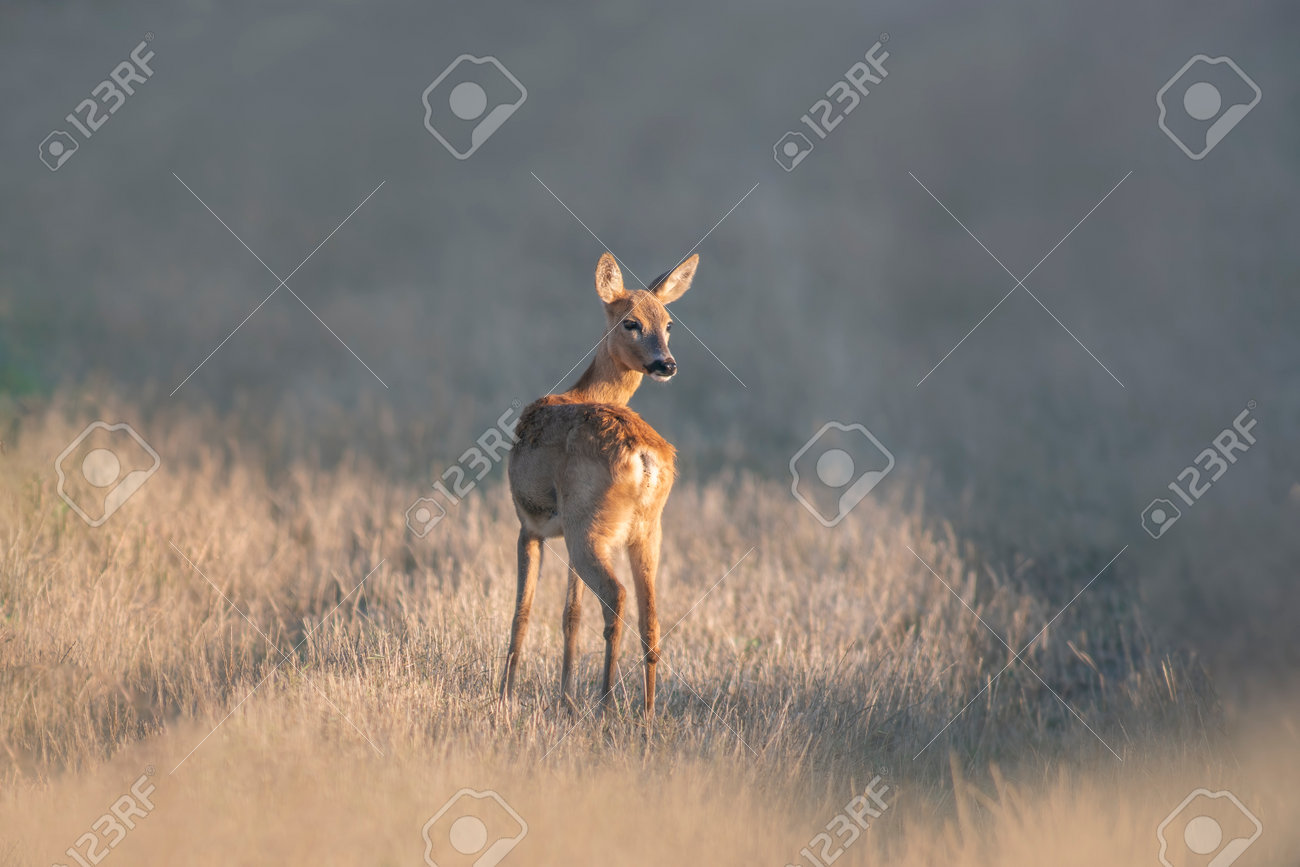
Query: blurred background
[[829, 292]]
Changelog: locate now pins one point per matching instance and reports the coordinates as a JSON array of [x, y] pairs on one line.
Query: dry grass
[[821, 659]]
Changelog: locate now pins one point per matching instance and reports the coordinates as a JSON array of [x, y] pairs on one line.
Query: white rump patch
[[650, 469]]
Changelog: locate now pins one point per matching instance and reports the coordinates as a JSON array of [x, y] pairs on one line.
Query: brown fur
[[588, 468], [612, 430]]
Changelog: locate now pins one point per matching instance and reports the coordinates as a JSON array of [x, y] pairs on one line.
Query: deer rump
[[598, 443]]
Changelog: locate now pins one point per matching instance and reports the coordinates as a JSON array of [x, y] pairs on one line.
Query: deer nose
[[662, 367]]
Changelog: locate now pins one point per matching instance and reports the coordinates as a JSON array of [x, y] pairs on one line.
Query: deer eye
[[631, 325], [668, 327]]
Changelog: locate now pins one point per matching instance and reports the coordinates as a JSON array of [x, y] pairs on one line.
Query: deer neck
[[605, 381]]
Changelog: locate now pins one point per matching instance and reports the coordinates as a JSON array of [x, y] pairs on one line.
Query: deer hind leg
[[530, 565], [593, 566], [572, 620], [643, 554]]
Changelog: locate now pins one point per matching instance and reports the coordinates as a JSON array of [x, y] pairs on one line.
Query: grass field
[[307, 682], [278, 267]]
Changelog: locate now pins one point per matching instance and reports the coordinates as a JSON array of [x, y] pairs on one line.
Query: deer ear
[[609, 280], [674, 284]]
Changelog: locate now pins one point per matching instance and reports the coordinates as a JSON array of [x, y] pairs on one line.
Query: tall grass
[[310, 681]]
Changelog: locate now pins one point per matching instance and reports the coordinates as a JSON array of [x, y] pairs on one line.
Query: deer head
[[638, 319]]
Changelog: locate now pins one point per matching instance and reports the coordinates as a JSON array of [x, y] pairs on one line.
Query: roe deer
[[586, 467]]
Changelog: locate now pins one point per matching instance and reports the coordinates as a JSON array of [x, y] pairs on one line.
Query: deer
[[586, 467]]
